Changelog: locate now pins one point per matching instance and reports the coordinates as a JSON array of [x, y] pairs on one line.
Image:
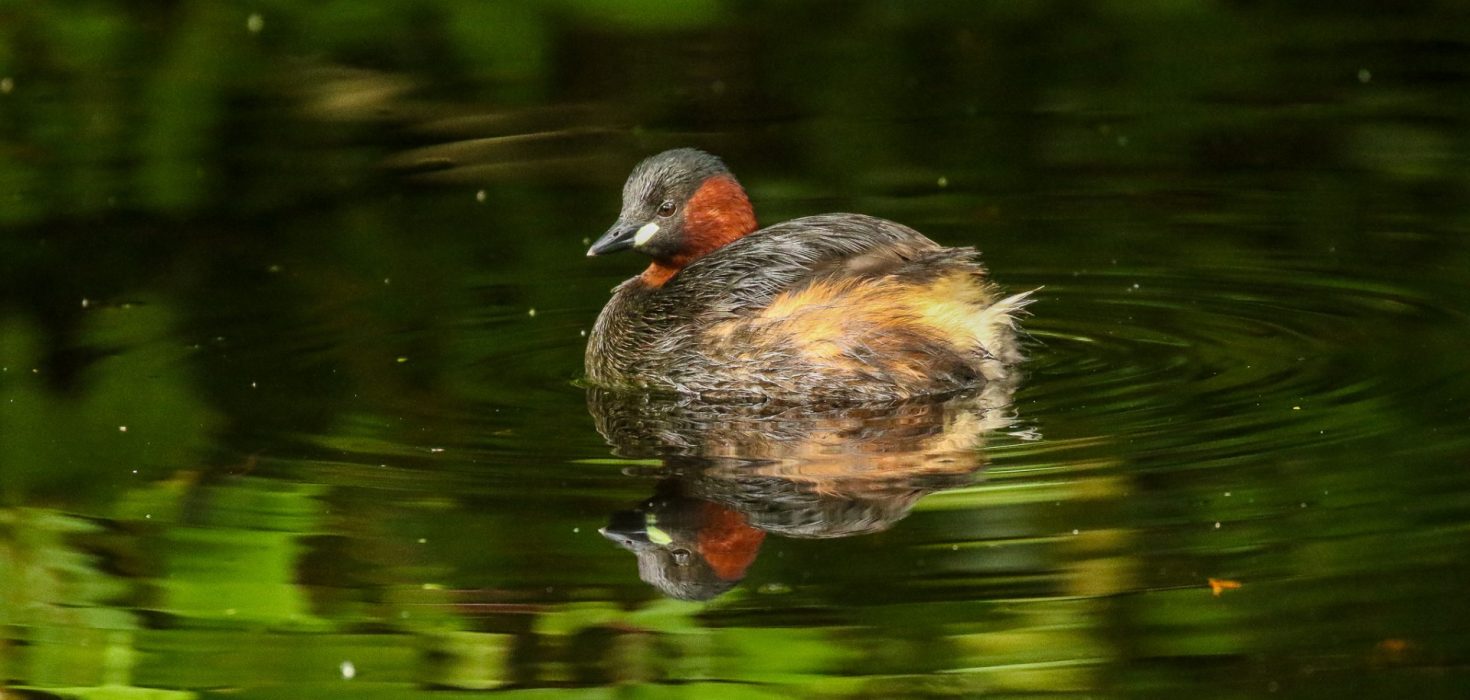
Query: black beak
[[626, 527], [619, 237]]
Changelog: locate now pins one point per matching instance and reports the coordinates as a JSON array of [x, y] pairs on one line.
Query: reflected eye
[[666, 209], [681, 556]]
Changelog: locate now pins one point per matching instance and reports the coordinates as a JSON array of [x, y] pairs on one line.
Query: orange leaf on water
[[1220, 585]]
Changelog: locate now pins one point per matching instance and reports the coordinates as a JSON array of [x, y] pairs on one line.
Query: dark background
[[296, 248]]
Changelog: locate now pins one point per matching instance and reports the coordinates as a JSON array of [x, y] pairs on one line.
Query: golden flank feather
[[857, 324]]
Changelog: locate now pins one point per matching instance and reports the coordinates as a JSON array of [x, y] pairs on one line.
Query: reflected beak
[[619, 237], [625, 527]]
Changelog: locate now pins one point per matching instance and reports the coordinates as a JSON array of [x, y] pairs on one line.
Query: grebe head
[[678, 206]]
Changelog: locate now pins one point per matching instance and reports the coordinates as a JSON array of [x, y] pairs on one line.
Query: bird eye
[[666, 209], [681, 556]]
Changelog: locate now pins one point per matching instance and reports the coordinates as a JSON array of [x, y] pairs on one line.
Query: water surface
[[294, 300]]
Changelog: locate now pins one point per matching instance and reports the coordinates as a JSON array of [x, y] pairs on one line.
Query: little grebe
[[836, 307]]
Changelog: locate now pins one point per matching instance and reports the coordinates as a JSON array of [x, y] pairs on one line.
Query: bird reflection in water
[[733, 474]]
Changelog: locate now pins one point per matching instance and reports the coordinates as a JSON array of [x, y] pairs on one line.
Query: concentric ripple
[[1231, 354]]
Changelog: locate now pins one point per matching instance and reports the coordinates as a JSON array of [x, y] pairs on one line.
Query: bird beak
[[626, 528], [619, 237]]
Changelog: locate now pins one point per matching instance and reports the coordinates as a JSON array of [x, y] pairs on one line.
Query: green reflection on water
[[133, 411]]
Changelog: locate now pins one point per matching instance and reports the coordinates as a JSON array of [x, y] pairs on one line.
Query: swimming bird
[[826, 308]]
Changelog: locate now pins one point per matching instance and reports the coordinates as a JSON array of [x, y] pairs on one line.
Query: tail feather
[[996, 325]]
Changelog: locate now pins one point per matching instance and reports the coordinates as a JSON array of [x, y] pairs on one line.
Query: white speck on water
[[7, 84], [253, 385], [122, 428], [1227, 494], [273, 269], [86, 302], [576, 531], [1076, 532], [583, 332], [943, 182], [254, 23], [954, 548], [1304, 505], [1217, 526], [387, 280], [348, 670], [135, 471], [436, 449], [480, 196], [1364, 76], [231, 611], [532, 312], [147, 516], [402, 359], [1296, 408], [423, 540]]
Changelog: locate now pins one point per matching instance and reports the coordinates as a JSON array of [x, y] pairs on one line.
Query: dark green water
[[292, 303]]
